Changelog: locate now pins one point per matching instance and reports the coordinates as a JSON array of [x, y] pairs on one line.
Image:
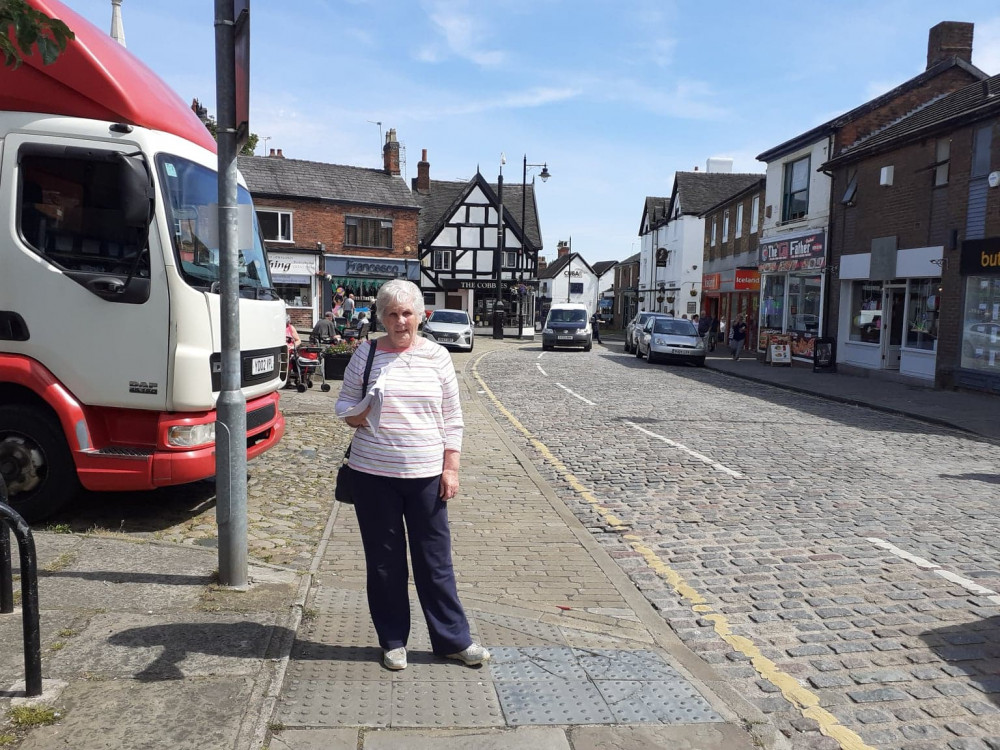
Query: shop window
[[738, 229], [294, 295], [803, 303], [795, 203], [275, 225], [362, 231], [866, 311], [942, 157], [923, 303], [442, 260], [772, 311], [981, 324]]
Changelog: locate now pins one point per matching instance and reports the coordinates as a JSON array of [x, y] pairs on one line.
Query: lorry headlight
[[191, 435], [548, 331]]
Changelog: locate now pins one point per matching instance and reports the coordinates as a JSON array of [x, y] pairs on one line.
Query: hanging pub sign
[[804, 251], [661, 257]]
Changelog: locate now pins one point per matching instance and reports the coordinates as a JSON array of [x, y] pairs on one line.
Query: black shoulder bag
[[344, 490]]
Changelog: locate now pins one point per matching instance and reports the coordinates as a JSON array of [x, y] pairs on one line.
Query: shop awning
[[358, 287]]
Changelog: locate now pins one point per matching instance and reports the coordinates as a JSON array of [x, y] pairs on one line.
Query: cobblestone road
[[839, 563]]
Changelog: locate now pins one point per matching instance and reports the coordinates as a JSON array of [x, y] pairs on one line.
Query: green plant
[[344, 347], [32, 716]]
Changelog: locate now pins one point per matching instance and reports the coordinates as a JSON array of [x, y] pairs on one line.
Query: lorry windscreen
[[191, 198]]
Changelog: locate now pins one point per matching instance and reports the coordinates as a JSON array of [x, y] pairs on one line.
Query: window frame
[[508, 259], [738, 229], [281, 212], [941, 161], [365, 234], [790, 195], [725, 226], [443, 255], [754, 214], [715, 227]]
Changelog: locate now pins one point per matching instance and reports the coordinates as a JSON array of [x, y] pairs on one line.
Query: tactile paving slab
[[611, 664], [525, 632], [327, 703], [554, 702], [665, 702], [445, 704]]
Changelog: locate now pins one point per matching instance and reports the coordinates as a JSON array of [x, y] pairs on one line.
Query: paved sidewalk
[[580, 658]]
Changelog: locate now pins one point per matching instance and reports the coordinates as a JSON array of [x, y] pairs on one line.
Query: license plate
[[565, 338], [261, 365]]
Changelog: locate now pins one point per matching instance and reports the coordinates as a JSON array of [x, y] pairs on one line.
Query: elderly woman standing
[[405, 472]]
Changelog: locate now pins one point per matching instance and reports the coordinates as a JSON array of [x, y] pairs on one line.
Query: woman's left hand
[[449, 484]]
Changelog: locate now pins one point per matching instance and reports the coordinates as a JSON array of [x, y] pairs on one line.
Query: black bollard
[[29, 591]]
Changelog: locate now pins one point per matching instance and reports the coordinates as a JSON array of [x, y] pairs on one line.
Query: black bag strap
[[364, 384]]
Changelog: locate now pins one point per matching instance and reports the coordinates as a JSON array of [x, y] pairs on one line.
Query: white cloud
[[986, 47], [463, 33], [527, 99]]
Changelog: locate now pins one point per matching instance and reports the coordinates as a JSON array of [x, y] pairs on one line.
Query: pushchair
[[304, 361]]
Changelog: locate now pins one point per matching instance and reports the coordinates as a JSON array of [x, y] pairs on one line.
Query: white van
[[567, 324]]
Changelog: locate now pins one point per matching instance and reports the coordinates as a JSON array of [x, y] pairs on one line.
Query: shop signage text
[[747, 280], [375, 268], [711, 282], [981, 257], [805, 251], [287, 265]]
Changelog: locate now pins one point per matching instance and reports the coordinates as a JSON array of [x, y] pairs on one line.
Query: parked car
[[635, 326], [670, 339], [567, 324], [452, 329]]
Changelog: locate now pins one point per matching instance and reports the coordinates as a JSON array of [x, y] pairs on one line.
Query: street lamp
[[498, 257], [544, 174]]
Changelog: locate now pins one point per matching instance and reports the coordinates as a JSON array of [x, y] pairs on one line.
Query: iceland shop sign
[[799, 252]]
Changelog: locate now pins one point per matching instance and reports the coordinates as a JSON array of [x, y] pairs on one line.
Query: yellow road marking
[[806, 701]]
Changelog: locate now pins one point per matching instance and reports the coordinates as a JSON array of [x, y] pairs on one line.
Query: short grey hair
[[401, 292]]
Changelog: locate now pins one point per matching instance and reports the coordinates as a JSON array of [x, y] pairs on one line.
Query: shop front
[[727, 295], [294, 279], [890, 303], [362, 276], [479, 297], [979, 366], [791, 271]]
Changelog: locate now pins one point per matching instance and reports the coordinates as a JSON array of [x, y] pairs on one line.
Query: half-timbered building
[[466, 261]]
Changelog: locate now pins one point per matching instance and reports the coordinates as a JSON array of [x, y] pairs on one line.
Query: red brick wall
[[919, 215], [324, 221]]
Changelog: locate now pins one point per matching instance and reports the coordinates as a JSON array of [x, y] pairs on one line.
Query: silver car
[[670, 339], [451, 328], [634, 328]]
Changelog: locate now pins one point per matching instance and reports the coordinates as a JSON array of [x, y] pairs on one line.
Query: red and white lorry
[[109, 282]]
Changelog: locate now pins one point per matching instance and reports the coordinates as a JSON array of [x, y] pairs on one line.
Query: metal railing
[[11, 520]]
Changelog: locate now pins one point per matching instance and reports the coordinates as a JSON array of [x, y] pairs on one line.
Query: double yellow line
[[806, 701]]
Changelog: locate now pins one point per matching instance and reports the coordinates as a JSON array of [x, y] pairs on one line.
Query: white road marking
[[965, 583], [673, 443], [541, 370], [577, 395]]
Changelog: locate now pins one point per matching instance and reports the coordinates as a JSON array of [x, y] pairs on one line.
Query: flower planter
[[334, 365]]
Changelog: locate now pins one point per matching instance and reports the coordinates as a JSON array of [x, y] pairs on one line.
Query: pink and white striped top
[[421, 413]]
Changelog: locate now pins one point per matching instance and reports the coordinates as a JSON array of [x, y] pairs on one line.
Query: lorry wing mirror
[[136, 191]]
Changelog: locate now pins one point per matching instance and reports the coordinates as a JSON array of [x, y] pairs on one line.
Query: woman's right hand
[[358, 420]]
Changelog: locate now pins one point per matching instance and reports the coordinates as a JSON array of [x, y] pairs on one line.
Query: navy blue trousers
[[389, 511]]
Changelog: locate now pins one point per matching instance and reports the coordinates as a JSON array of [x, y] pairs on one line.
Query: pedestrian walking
[[405, 472], [739, 337], [705, 324], [595, 326], [348, 308]]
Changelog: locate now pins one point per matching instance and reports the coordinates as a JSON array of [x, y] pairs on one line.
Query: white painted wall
[[581, 273], [818, 214]]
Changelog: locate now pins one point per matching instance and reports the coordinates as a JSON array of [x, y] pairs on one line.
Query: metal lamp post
[[544, 174], [498, 258]]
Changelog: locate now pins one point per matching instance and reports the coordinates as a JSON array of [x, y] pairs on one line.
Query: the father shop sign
[[793, 253]]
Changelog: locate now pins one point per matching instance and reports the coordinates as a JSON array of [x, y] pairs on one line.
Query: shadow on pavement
[[988, 478], [131, 512], [972, 650]]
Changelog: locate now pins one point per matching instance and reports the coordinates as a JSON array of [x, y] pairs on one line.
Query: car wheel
[[638, 352], [588, 347], [471, 344], [546, 348], [36, 463], [627, 349], [700, 362], [651, 357]]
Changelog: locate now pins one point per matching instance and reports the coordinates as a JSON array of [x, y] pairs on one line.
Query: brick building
[[329, 226], [626, 292], [916, 241], [730, 282], [795, 237]]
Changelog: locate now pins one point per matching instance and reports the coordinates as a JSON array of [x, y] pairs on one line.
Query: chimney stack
[[422, 182], [562, 248], [280, 155], [949, 39], [272, 152], [390, 153]]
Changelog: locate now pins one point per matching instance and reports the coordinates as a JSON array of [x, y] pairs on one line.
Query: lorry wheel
[[35, 462]]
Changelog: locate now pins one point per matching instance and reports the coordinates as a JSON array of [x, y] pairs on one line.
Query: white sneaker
[[394, 659], [472, 656]]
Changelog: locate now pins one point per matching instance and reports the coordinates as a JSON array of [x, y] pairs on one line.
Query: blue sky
[[614, 96]]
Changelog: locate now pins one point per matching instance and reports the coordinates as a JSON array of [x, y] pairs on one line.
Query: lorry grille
[[259, 417]]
